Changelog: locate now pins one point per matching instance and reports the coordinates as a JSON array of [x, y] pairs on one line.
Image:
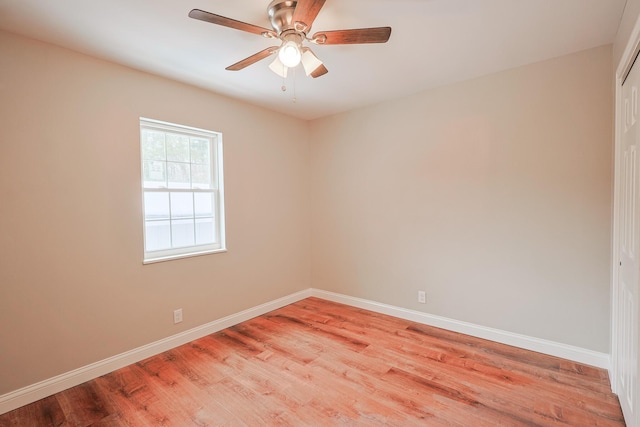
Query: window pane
[[157, 235], [181, 205], [178, 175], [203, 204], [156, 205], [181, 192], [155, 174], [153, 145], [200, 176], [200, 151], [182, 233], [204, 231], [177, 148]]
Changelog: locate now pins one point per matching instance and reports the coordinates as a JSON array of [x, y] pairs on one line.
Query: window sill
[[189, 255]]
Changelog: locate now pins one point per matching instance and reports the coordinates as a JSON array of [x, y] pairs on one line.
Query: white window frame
[[217, 190]]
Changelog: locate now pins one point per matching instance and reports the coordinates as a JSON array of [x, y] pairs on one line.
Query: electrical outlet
[[422, 297], [177, 316]]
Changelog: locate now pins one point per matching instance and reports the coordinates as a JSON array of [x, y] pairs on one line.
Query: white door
[[626, 293]]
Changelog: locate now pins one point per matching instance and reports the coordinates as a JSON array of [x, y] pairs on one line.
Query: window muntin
[[182, 190]]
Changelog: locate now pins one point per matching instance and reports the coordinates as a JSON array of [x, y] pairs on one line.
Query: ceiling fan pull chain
[[294, 99], [284, 85]]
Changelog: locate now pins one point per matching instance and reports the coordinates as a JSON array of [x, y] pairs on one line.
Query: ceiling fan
[[291, 21]]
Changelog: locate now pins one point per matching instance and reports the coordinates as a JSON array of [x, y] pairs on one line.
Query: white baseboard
[[34, 392], [576, 354], [40, 390]]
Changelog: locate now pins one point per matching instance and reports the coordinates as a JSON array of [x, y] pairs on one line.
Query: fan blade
[[253, 59], [320, 71], [357, 36], [231, 23], [306, 12]]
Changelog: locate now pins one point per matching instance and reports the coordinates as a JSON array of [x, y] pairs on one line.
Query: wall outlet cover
[[177, 316]]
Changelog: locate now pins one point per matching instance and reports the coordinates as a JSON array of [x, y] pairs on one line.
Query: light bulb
[[289, 54]]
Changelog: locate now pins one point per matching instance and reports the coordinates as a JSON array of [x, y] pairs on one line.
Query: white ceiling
[[433, 43]]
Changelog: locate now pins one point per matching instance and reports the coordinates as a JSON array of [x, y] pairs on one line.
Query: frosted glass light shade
[[310, 62], [278, 67], [289, 54]]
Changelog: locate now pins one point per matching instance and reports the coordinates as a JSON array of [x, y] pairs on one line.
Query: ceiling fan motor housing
[[281, 15]]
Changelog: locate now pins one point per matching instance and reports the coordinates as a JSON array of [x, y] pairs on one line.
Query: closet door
[[626, 302]]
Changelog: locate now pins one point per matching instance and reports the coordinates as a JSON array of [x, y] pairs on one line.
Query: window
[[182, 187]]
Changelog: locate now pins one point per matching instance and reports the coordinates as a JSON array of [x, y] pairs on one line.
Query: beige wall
[[73, 289], [493, 195]]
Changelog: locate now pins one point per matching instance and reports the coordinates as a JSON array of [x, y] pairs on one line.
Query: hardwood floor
[[318, 363]]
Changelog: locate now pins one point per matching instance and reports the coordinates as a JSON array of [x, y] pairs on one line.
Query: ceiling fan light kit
[[290, 50], [291, 21]]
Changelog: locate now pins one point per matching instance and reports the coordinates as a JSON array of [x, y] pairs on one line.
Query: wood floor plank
[[501, 383], [43, 413], [246, 333], [132, 395], [320, 363], [184, 402], [345, 390], [84, 405], [512, 369]]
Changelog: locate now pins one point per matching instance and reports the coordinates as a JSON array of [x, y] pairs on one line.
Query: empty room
[[319, 212]]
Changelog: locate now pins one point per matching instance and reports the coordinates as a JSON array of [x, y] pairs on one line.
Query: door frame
[[623, 67]]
